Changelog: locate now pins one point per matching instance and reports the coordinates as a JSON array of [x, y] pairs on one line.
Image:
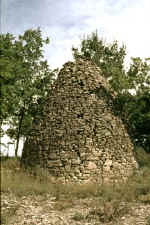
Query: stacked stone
[[80, 139]]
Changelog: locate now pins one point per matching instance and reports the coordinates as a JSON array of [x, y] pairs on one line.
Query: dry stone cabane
[[80, 139]]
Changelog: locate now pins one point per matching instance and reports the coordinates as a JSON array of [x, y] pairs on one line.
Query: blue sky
[[66, 21]]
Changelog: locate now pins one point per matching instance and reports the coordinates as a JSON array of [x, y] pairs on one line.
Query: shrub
[[142, 157]]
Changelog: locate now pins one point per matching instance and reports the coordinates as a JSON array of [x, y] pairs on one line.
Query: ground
[[47, 210], [34, 200]]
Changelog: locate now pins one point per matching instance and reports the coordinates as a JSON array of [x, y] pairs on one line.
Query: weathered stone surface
[[80, 138]]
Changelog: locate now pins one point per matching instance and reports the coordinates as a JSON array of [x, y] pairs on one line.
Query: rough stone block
[[80, 132]]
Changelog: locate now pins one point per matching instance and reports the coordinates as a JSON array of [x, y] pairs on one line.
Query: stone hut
[[80, 139]]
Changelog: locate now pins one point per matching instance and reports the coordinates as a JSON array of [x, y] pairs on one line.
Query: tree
[[140, 120], [7, 77], [109, 57], [25, 80], [132, 108], [138, 75]]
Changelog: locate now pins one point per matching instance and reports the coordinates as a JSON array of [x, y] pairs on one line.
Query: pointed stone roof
[[80, 139]]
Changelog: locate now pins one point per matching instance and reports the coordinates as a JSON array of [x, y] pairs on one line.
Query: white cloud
[[131, 27], [67, 21], [124, 21]]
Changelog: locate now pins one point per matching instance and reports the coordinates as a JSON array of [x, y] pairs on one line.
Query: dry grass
[[109, 203]]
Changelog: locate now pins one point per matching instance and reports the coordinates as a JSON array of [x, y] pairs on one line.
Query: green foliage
[[7, 78], [139, 75], [109, 57], [134, 109], [140, 120], [135, 112], [142, 157], [25, 80]]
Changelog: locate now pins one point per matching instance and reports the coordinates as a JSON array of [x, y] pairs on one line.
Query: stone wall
[[80, 139]]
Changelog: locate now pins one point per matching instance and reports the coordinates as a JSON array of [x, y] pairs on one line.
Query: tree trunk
[[19, 129]]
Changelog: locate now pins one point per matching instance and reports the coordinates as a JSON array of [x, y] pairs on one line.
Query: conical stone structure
[[80, 139]]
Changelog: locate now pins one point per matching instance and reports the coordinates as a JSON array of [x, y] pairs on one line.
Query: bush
[[142, 157]]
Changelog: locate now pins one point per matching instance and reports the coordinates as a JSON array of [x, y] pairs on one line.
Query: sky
[[66, 22]]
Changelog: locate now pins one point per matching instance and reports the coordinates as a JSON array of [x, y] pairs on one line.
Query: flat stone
[[79, 137]]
